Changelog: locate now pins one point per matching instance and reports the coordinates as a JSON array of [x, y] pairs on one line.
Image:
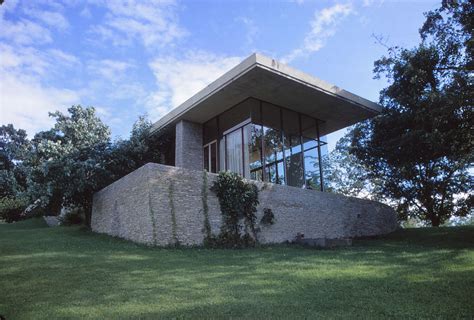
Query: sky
[[145, 57]]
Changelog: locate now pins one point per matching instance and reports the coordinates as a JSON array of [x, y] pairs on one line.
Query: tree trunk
[[435, 220], [88, 215]]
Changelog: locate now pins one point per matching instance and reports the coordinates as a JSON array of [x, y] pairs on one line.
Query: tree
[[421, 147], [68, 162], [344, 173], [14, 146]]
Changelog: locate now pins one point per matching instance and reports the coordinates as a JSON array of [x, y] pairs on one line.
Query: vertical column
[[188, 147], [320, 161]]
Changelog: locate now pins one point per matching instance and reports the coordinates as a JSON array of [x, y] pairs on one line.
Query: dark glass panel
[[213, 159], [235, 115], [210, 131], [309, 132], [222, 154], [206, 158], [293, 154], [271, 116], [291, 123]]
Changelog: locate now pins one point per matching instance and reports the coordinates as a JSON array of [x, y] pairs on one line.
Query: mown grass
[[67, 272]]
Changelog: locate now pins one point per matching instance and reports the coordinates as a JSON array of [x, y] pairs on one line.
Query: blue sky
[[129, 58]]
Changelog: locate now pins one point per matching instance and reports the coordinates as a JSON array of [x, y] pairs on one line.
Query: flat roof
[[266, 79]]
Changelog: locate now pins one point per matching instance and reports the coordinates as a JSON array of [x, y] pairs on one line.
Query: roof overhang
[[266, 79]]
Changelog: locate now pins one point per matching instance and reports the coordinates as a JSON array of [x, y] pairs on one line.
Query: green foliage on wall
[[238, 201], [205, 207], [173, 214], [152, 216], [268, 217]]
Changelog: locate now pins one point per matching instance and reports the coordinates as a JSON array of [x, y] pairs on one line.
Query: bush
[[268, 217], [11, 209], [238, 201], [73, 217]]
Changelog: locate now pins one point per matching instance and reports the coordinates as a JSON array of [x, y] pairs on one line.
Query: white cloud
[[368, 3], [33, 26], [50, 18], [26, 103], [154, 23], [110, 70], [179, 79], [323, 26]]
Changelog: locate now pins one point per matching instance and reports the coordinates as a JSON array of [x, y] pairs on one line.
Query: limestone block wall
[[162, 205], [188, 145]]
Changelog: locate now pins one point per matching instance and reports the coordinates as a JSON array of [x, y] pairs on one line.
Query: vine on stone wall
[[238, 201], [173, 213], [152, 217], [268, 217], [205, 207]]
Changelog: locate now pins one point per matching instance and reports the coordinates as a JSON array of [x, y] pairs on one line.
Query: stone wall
[[162, 205], [188, 145]]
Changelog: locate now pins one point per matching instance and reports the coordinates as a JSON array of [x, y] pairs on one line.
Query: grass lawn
[[66, 272]]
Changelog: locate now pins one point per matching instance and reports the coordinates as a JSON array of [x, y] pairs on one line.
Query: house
[[265, 121]]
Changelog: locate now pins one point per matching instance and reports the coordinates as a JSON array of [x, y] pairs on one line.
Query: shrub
[[238, 201], [72, 217], [268, 217], [11, 209]]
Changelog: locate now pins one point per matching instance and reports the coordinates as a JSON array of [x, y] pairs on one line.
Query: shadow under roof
[[266, 79]]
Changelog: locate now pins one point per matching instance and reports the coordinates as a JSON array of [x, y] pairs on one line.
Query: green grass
[[66, 272]]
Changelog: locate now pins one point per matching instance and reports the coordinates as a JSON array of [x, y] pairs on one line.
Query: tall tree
[[421, 146], [344, 173], [14, 147], [68, 162]]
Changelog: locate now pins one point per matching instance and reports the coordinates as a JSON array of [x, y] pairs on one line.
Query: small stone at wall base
[[51, 221]]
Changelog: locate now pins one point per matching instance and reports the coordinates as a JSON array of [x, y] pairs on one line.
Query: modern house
[[265, 121]]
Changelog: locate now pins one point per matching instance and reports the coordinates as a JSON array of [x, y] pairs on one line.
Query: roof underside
[[265, 79]]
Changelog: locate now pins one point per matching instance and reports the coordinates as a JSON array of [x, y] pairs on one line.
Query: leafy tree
[[14, 146], [421, 147], [344, 173], [68, 162]]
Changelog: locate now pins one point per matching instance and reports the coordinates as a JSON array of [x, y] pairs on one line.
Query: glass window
[[213, 157], [206, 158], [234, 156], [293, 154], [235, 115], [222, 154], [273, 145], [311, 166], [210, 131], [252, 155], [294, 162], [309, 132]]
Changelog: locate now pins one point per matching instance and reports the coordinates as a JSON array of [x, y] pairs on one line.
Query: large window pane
[[293, 154], [294, 162], [213, 160], [311, 165], [273, 145], [252, 154], [210, 131], [222, 154], [234, 151], [235, 115], [206, 158], [309, 132]]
